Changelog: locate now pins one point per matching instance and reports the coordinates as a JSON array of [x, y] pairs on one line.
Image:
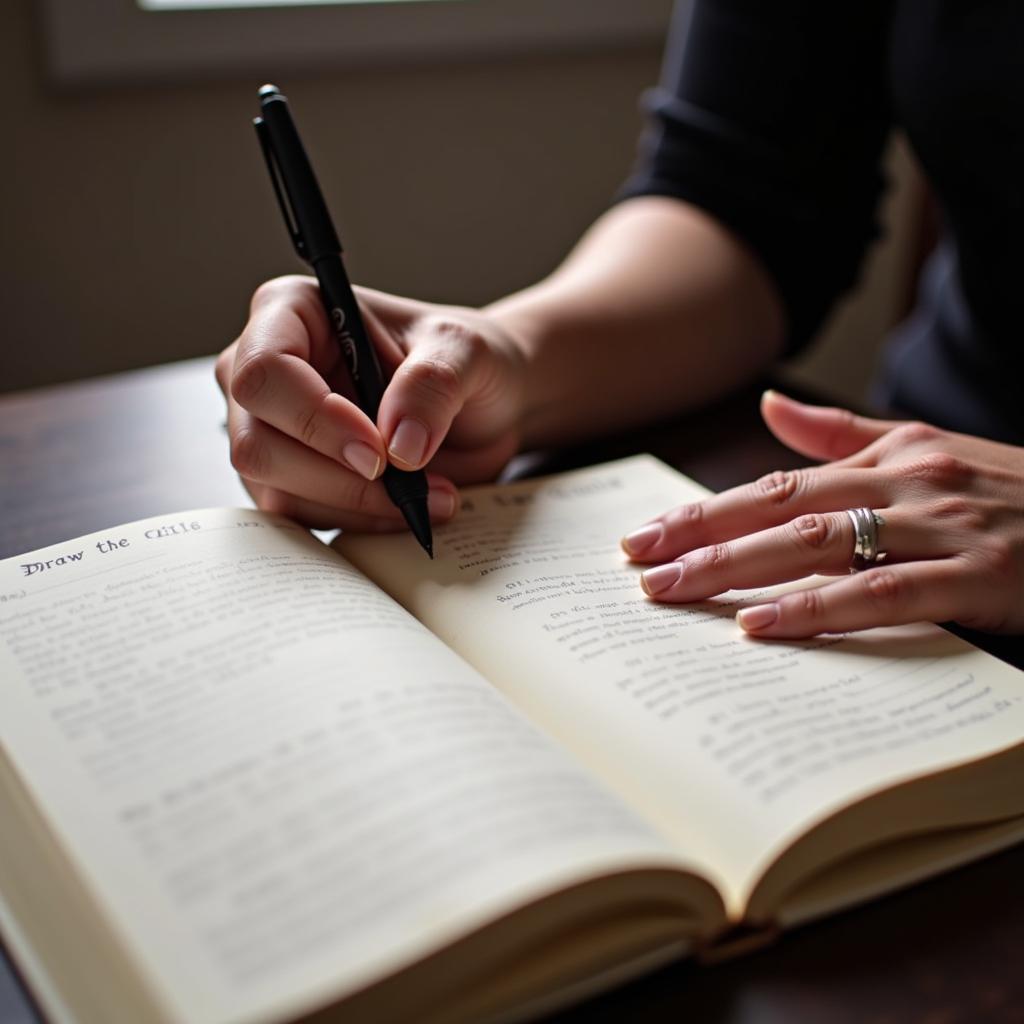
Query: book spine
[[737, 940]]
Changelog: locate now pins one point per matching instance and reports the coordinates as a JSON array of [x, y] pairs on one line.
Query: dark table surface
[[82, 457]]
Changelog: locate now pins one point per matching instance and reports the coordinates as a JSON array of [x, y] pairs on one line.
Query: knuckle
[[451, 328], [847, 418], [277, 289], [914, 433], [956, 509], [778, 487], [942, 469], [843, 422], [307, 425], [249, 454], [266, 292], [1001, 557], [715, 557], [687, 517], [249, 378], [808, 604], [884, 587], [813, 530], [436, 379]]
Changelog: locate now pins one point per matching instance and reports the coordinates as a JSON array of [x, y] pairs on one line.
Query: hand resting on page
[[953, 531]]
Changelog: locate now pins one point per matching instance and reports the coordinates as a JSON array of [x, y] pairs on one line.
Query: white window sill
[[112, 41]]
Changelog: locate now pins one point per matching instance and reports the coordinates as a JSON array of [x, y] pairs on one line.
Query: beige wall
[[138, 220], [142, 217]]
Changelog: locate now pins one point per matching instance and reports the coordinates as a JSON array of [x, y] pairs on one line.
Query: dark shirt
[[773, 116]]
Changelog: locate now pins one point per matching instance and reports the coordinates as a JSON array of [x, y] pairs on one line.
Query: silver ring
[[865, 538]]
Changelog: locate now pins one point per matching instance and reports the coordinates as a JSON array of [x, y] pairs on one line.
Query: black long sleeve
[[772, 117]]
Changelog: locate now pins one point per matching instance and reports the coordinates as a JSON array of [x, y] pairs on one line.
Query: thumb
[[820, 432], [429, 389]]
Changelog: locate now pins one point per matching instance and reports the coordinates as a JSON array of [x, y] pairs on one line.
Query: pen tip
[[418, 518], [268, 90]]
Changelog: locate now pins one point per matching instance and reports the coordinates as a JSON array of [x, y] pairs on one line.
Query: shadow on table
[[938, 952]]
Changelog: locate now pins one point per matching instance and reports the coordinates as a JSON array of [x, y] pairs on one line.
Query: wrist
[[529, 328]]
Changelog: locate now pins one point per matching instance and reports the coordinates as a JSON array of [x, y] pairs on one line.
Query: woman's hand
[[303, 450], [953, 511]]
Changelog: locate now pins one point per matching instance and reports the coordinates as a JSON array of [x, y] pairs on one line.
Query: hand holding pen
[[308, 445]]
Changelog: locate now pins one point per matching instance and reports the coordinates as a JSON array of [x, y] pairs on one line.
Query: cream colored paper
[[280, 785], [731, 745]]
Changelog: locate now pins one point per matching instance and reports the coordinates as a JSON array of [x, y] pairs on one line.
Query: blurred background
[[463, 145]]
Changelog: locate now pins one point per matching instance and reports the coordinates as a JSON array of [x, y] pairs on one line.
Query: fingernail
[[654, 581], [757, 617], [441, 504], [409, 442], [362, 458], [639, 541]]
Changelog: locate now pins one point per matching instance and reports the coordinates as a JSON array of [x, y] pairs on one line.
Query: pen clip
[[290, 223]]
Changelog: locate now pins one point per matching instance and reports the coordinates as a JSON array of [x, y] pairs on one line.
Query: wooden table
[[82, 457]]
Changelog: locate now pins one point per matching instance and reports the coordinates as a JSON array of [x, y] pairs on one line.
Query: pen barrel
[[350, 332], [300, 196], [407, 489]]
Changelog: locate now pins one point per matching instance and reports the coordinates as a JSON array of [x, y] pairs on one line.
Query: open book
[[245, 777]]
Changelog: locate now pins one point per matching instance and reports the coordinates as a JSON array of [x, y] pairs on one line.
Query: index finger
[[281, 360], [770, 501], [294, 306]]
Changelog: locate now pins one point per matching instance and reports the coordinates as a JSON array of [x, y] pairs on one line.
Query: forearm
[[657, 309]]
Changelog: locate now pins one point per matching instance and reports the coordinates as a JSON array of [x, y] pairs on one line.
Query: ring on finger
[[866, 552]]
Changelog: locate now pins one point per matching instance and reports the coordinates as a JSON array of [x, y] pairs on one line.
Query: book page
[[735, 746], [280, 785]]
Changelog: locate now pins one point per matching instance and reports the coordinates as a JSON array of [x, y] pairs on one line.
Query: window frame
[[117, 41]]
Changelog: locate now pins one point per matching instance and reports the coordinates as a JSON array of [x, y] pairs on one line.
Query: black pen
[[315, 240]]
